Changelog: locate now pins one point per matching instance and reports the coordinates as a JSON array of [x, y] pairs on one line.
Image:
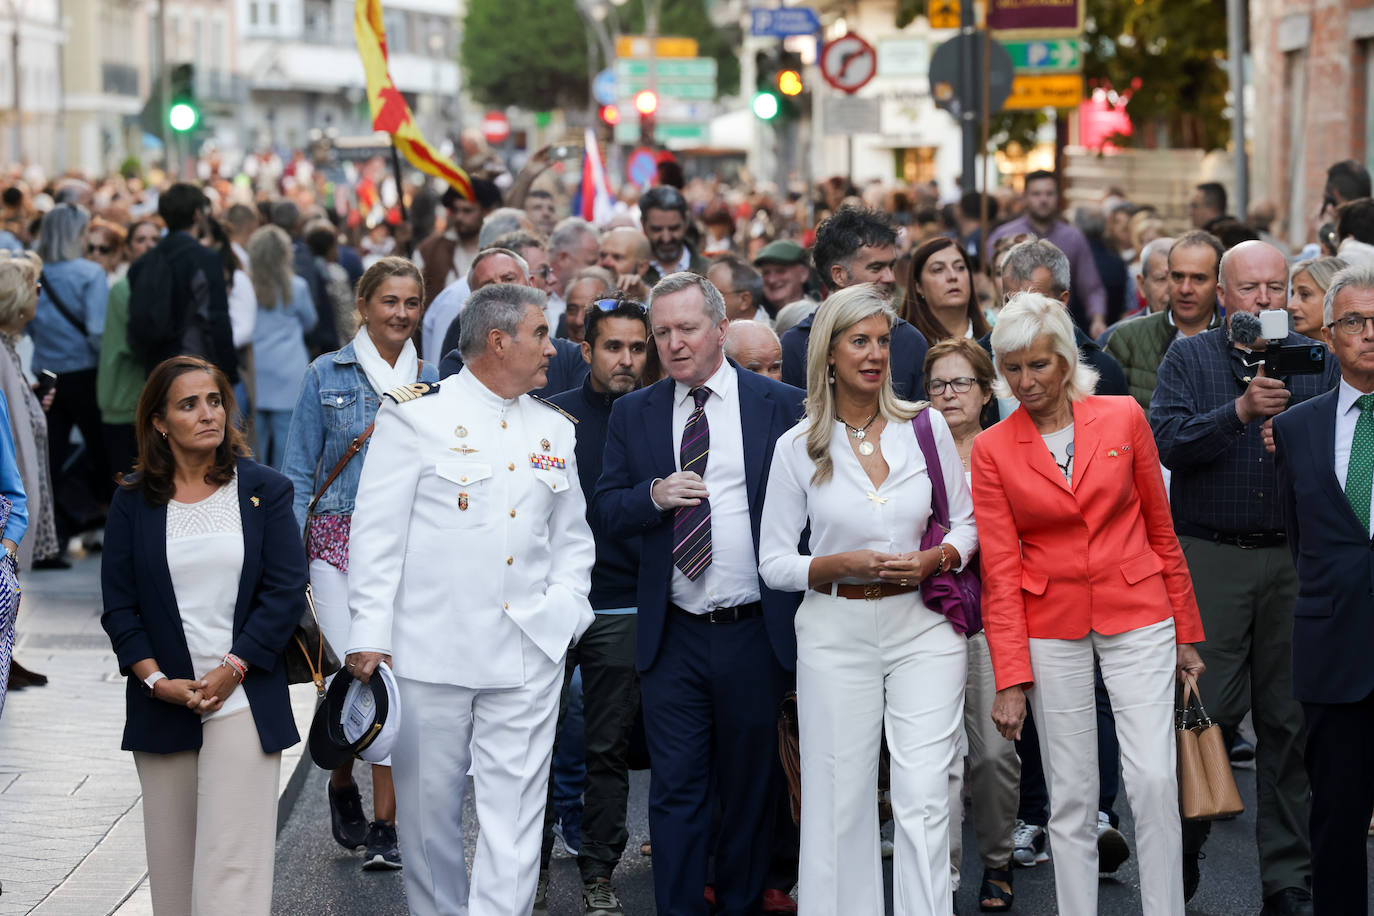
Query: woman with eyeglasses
[[959, 378], [338, 401], [105, 246], [940, 298]]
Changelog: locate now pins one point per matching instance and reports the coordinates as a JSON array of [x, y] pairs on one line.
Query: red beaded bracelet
[[233, 661]]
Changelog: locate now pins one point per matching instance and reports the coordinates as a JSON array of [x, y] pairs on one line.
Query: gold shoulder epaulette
[[402, 393], [552, 406]]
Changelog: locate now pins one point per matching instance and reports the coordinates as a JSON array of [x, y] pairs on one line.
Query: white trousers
[[994, 771], [1138, 669], [864, 668], [329, 587], [506, 737], [210, 821]]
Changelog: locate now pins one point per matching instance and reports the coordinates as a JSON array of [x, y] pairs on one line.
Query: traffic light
[[646, 103], [183, 114], [766, 106], [610, 115], [789, 82]]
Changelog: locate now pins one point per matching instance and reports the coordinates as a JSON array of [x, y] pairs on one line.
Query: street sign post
[[495, 127], [603, 87], [638, 46], [1052, 90], [783, 21], [1046, 55], [903, 58], [845, 117], [1007, 17], [943, 14], [848, 63]]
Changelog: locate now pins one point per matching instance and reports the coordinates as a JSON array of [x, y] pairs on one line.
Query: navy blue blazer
[[143, 621], [908, 360], [1333, 627], [639, 448]]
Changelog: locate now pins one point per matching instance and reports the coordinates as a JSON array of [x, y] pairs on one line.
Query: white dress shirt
[[1347, 415], [847, 512], [732, 578], [682, 264]]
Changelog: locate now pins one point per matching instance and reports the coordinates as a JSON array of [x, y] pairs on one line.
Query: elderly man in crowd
[[742, 287], [472, 557], [1212, 398], [785, 269], [754, 346]]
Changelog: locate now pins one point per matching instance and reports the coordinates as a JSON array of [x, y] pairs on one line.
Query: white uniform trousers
[[865, 667], [506, 737], [994, 771], [1138, 668], [329, 588]]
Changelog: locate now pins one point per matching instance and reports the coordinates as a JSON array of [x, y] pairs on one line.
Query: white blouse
[[205, 558], [847, 512]]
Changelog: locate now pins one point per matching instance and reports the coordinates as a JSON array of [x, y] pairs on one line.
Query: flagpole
[[400, 188]]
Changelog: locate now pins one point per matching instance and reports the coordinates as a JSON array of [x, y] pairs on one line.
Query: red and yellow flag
[[390, 112]]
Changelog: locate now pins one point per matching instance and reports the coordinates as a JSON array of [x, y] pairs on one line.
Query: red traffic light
[[646, 102], [789, 82], [610, 114]]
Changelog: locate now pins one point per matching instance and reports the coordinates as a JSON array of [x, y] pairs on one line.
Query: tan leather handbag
[[1206, 789]]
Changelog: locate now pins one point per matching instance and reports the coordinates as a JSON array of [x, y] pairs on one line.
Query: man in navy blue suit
[[686, 466], [1325, 461]]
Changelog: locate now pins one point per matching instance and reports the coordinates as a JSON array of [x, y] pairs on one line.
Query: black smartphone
[[1303, 359], [47, 380]]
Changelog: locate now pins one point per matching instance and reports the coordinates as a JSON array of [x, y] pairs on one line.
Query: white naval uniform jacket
[[469, 530]]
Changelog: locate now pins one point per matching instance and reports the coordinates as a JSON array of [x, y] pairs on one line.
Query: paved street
[[72, 841]]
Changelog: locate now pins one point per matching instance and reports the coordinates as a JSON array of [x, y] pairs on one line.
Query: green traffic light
[[182, 117], [766, 106]]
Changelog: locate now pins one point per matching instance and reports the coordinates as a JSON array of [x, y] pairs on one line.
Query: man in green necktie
[[1324, 450]]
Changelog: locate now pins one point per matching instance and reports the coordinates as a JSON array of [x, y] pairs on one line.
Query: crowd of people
[[603, 497]]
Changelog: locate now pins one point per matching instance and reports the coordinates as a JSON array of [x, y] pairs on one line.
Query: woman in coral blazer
[[1080, 558]]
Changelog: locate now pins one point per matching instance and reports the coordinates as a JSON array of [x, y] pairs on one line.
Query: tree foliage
[[527, 53], [1170, 56], [533, 53]]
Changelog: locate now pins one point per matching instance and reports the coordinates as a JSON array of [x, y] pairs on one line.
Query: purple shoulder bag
[[957, 595]]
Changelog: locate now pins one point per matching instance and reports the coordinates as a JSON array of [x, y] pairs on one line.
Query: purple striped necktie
[[692, 524]]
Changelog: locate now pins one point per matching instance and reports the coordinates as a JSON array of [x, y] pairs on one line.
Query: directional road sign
[[946, 73], [848, 63], [943, 14], [667, 46], [692, 78], [1046, 55], [784, 21], [1051, 90]]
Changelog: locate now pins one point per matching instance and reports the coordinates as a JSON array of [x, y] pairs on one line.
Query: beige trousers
[[994, 771], [210, 822]]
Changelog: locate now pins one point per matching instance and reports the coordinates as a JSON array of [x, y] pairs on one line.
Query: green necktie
[[1359, 474]]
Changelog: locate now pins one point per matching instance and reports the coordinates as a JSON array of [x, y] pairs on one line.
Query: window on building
[[397, 33], [915, 165], [271, 12], [253, 13]]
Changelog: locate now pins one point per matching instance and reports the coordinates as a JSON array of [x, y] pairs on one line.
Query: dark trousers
[[1035, 794], [711, 718], [81, 493], [1340, 766], [610, 702], [121, 448]]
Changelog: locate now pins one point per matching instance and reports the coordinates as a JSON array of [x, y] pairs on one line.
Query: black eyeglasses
[[961, 385], [100, 249], [611, 303], [1351, 325]]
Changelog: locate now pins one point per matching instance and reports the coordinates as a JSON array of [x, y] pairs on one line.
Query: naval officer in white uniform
[[470, 565]]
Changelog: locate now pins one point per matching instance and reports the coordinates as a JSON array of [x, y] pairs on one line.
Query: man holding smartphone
[[1209, 410]]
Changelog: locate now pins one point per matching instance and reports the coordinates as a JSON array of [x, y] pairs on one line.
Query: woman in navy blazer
[[203, 579]]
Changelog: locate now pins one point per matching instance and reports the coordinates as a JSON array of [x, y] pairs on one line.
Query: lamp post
[[436, 47]]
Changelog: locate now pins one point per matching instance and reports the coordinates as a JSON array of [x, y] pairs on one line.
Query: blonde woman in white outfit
[[871, 657]]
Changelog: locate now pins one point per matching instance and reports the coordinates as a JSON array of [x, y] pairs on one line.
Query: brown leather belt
[[870, 591]]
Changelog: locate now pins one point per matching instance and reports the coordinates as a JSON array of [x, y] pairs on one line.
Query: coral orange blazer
[[1059, 560]]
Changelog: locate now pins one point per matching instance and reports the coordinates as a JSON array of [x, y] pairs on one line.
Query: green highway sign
[[628, 133], [1046, 55], [685, 69], [689, 91]]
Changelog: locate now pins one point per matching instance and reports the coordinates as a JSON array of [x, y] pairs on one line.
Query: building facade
[[1313, 63], [32, 35]]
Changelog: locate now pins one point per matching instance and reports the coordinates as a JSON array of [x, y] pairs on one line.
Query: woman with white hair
[[871, 657], [1079, 557]]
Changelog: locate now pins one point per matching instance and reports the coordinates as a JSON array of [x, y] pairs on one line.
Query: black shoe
[[1111, 845], [1242, 751], [382, 852], [56, 562], [346, 817], [1192, 873], [1291, 901], [21, 677]]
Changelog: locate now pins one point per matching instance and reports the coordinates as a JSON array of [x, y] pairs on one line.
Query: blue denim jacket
[[335, 406], [57, 344]]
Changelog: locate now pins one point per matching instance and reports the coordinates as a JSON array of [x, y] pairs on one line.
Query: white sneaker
[[1028, 841], [1111, 845]]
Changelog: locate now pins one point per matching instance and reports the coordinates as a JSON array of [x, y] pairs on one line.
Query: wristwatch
[[151, 680]]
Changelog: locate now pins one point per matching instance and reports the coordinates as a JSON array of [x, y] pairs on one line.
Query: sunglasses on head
[[611, 303]]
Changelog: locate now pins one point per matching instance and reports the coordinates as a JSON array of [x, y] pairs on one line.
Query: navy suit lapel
[[756, 416], [253, 514], [658, 427], [1323, 446]]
